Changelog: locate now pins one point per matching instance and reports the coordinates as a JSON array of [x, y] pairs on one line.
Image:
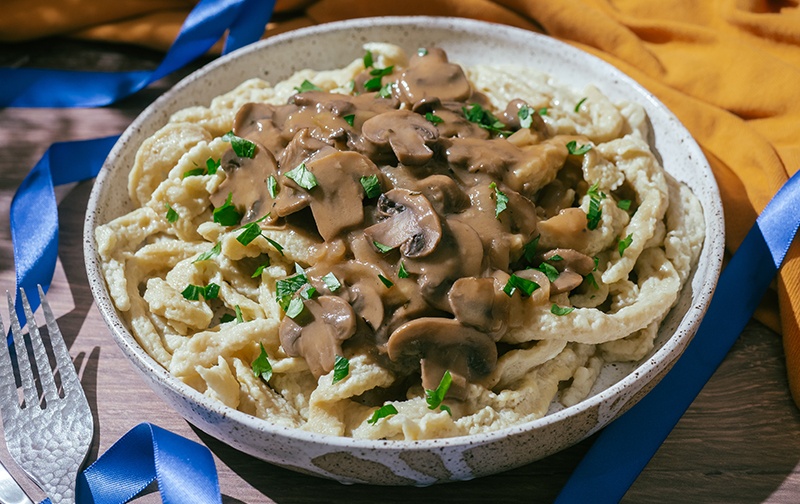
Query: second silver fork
[[49, 439]]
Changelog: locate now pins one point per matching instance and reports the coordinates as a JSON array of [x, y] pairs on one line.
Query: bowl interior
[[466, 42]]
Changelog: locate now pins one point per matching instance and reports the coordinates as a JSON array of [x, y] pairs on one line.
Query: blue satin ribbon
[[184, 470], [625, 446]]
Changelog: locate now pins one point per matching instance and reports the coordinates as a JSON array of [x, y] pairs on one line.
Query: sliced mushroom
[[444, 194], [510, 117], [431, 75], [567, 229], [480, 303], [318, 334], [246, 182], [254, 122], [573, 266], [411, 223], [493, 156], [409, 135], [444, 344]]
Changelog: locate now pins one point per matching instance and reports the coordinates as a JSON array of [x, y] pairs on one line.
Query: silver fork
[[49, 441]]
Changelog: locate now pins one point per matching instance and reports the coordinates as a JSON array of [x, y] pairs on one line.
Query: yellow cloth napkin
[[729, 69]]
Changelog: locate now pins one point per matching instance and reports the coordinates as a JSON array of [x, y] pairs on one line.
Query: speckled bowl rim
[[146, 364]]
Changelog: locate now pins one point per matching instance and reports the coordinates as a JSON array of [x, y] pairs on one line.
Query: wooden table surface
[[738, 443]]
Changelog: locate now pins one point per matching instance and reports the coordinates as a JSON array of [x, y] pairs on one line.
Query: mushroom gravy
[[395, 230]]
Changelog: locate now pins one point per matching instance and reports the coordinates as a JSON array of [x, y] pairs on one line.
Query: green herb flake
[[208, 254], [303, 177], [295, 307], [433, 118], [624, 244], [596, 262], [275, 244], [241, 147], [422, 52], [525, 286], [591, 280], [373, 84], [272, 186], [484, 119], [172, 215], [341, 368], [193, 292], [227, 214], [578, 105], [624, 204], [560, 310], [308, 291], [368, 62], [386, 90], [193, 172], [434, 398], [529, 249], [402, 272], [542, 111], [556, 258], [349, 119], [261, 366], [371, 185], [239, 317], [211, 291], [331, 282], [550, 271], [382, 412], [572, 148], [595, 212], [257, 273], [307, 85], [286, 287], [380, 72], [501, 200], [212, 165], [525, 114], [388, 283], [381, 247], [249, 233]]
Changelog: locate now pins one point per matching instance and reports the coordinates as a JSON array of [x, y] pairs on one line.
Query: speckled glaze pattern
[[431, 461]]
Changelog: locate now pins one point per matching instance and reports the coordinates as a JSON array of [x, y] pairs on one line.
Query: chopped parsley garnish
[[303, 177], [249, 233], [241, 146], [239, 317], [529, 249], [595, 212], [591, 280], [402, 272], [261, 366], [349, 119], [484, 119], [308, 291], [307, 85], [556, 258], [501, 200], [388, 283], [542, 111], [386, 90], [371, 185], [578, 105], [572, 147], [208, 254], [272, 186], [295, 307], [193, 292], [422, 51], [286, 288], [341, 368], [380, 72], [331, 282], [625, 243], [431, 117], [434, 398], [525, 115], [212, 165], [382, 412], [257, 273], [172, 215], [525, 286], [596, 262], [193, 172], [275, 244], [549, 270], [383, 248], [624, 204], [368, 59], [561, 310], [373, 84], [227, 214]]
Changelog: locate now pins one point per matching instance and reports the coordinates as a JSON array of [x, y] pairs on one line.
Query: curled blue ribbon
[[625, 446]]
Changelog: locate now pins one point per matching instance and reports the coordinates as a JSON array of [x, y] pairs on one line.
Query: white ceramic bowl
[[416, 462]]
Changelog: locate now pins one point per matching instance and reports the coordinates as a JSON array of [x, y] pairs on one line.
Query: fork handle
[[10, 491]]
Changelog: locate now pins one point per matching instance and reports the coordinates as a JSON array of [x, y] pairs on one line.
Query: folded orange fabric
[[729, 69]]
